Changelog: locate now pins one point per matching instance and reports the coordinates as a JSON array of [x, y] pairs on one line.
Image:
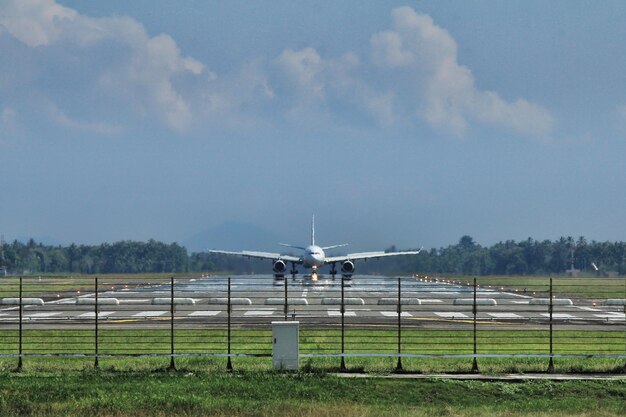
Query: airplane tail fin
[[313, 230]]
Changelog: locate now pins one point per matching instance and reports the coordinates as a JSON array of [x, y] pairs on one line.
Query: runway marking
[[257, 313], [204, 313], [519, 302], [559, 316], [134, 301], [587, 308], [337, 313], [614, 316], [451, 315], [149, 314], [395, 314], [41, 315], [305, 293], [100, 314], [445, 292], [505, 315], [430, 300]]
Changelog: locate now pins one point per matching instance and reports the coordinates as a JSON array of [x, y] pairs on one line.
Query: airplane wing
[[368, 255], [260, 255]]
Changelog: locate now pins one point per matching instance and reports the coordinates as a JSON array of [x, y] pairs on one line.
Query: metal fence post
[[342, 366], [96, 364], [229, 364], [550, 310], [286, 303], [399, 311], [475, 311], [21, 309], [172, 366]]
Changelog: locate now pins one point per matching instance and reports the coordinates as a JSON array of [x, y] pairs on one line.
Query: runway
[[260, 299]]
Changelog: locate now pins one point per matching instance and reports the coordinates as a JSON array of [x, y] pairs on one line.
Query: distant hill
[[234, 236]]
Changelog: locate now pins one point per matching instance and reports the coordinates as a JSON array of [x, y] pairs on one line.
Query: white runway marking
[[505, 315], [100, 314], [149, 314], [559, 316], [611, 316], [259, 313], [337, 313], [395, 314], [205, 313], [41, 315], [586, 308], [452, 315], [430, 300], [519, 302], [445, 292]]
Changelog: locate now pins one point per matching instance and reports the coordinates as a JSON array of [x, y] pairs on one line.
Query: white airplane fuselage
[[313, 257]]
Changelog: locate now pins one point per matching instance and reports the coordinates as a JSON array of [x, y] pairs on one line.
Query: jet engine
[[279, 268], [347, 269]]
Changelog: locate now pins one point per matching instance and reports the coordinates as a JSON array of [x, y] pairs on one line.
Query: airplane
[[314, 258]]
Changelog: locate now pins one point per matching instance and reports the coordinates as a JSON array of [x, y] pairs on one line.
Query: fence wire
[[399, 317]]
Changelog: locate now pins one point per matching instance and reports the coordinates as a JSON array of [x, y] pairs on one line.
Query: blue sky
[[408, 123]]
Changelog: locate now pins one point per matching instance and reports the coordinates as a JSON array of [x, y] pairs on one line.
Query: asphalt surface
[[367, 300]]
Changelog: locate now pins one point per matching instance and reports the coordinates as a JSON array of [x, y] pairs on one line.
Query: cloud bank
[[147, 69], [411, 73], [446, 95]]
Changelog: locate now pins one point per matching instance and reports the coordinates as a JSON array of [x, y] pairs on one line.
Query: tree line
[[119, 257], [527, 257]]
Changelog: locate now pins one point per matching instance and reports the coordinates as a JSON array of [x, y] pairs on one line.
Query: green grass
[[585, 287], [360, 342], [317, 341], [192, 393], [51, 286]]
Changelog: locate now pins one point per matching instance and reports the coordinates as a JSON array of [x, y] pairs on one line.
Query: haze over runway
[[400, 122]]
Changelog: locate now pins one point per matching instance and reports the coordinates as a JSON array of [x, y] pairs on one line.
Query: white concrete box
[[285, 344]]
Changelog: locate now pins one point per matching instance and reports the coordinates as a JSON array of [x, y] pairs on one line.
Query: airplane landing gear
[[333, 270]]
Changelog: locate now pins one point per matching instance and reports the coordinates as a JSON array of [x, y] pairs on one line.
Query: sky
[[409, 123]]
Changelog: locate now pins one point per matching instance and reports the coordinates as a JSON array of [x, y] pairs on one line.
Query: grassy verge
[[588, 288], [189, 393], [316, 341], [360, 342]]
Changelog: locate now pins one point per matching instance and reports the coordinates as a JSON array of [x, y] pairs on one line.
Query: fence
[[401, 317]]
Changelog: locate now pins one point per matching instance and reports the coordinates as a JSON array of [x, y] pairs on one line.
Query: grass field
[[191, 393], [585, 287], [315, 341]]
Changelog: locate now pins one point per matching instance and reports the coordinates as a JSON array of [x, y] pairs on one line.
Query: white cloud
[[147, 74], [304, 69], [414, 72], [35, 22], [444, 92], [317, 81], [62, 119]]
